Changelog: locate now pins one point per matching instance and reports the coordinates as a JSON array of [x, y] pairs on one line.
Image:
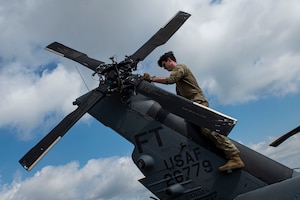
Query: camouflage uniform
[[187, 86]]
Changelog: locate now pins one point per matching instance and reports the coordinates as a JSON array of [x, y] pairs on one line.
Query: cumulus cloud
[[29, 98], [109, 178], [243, 50], [286, 153], [239, 51]]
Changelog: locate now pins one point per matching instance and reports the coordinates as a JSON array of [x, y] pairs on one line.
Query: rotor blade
[[285, 137], [189, 110], [161, 37], [72, 54], [34, 155]]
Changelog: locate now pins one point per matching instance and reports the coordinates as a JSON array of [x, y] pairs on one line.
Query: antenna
[[82, 78]]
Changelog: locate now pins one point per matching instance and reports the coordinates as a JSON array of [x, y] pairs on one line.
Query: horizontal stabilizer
[[287, 189], [189, 110]]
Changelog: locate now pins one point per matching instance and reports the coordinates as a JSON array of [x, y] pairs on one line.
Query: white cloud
[[239, 50], [28, 98], [286, 153], [236, 45], [111, 178]]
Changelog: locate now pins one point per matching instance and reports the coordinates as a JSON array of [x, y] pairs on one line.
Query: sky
[[244, 54]]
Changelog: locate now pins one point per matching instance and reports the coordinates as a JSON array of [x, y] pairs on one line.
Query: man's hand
[[147, 77]]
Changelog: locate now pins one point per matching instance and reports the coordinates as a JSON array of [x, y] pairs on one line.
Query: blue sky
[[244, 54]]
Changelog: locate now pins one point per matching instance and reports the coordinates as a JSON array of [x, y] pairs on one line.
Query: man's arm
[[177, 73], [162, 80]]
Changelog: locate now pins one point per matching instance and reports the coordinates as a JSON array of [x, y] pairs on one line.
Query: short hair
[[165, 57]]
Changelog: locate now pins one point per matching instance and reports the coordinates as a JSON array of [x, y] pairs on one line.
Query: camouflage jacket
[[186, 84]]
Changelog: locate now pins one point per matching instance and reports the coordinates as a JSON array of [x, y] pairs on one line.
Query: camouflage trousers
[[222, 142]]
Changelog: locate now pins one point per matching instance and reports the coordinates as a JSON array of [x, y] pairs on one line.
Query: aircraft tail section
[[266, 169]]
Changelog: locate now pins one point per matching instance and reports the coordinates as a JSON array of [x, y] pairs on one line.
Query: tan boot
[[234, 162]]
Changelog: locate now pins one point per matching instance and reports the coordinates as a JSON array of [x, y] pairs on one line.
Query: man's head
[[167, 61], [164, 58]]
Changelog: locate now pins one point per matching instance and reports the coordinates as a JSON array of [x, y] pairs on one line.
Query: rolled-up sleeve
[[176, 74]]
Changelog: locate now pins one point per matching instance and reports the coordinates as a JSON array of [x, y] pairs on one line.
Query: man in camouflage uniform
[[187, 86]]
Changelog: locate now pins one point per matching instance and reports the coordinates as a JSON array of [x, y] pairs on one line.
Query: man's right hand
[[147, 77]]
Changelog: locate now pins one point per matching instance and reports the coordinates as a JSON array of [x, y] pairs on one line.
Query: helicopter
[[177, 162]]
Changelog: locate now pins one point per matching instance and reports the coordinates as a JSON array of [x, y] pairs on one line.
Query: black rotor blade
[[34, 155], [285, 137], [161, 37], [193, 112], [75, 55]]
